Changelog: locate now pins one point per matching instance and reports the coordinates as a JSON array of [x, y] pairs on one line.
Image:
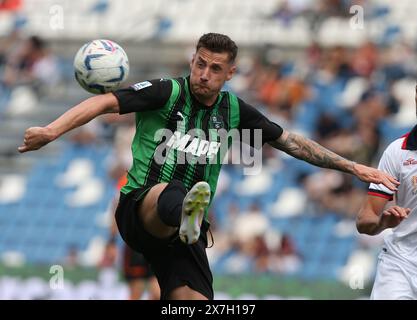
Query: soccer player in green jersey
[[162, 210]]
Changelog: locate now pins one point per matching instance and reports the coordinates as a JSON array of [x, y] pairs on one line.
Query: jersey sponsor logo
[[409, 162], [192, 147], [141, 85], [197, 147]]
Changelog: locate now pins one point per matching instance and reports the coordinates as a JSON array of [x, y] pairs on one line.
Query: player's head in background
[[212, 65], [35, 46]]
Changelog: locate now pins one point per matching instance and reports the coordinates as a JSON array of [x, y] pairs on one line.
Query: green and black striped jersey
[[177, 137]]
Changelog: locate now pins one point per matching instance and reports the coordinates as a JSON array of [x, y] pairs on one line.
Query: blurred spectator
[[109, 258], [8, 44], [87, 134], [261, 254], [121, 157], [313, 55], [286, 259], [281, 257], [333, 65], [281, 94], [287, 10], [365, 60], [139, 275], [72, 260], [374, 107], [366, 144], [359, 143], [117, 128], [32, 64], [333, 193], [250, 224]]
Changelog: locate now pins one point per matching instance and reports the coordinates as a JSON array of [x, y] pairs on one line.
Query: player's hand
[[393, 216], [372, 175], [35, 138]]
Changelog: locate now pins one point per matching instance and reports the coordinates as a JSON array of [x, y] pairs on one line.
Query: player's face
[[209, 72]]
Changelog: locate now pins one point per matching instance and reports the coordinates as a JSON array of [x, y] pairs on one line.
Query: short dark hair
[[218, 43]]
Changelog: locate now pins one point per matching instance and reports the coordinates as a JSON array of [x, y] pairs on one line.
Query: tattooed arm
[[310, 151]]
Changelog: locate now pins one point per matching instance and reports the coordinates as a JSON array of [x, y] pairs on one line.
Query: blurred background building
[[314, 67]]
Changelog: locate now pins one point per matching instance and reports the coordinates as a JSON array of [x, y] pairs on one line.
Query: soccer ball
[[101, 66]]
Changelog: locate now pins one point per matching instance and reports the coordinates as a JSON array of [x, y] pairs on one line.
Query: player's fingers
[[391, 212], [386, 179], [22, 148], [404, 212], [383, 178], [386, 213], [390, 185], [393, 180], [395, 213], [399, 211]]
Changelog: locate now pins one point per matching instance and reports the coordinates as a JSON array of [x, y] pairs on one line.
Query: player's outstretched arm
[[36, 137], [372, 218], [310, 151]]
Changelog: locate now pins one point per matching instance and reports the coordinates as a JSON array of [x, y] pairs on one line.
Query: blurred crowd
[[348, 99], [27, 69]]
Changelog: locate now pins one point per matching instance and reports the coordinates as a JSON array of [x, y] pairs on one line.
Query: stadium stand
[[351, 90]]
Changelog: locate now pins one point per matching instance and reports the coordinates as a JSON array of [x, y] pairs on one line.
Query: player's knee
[[147, 208], [150, 200], [168, 201], [174, 185], [172, 191]]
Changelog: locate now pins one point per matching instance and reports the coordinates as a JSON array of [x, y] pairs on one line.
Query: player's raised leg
[[160, 210], [168, 206]]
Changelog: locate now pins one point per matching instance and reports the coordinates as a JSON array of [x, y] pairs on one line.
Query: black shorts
[[135, 265], [174, 263]]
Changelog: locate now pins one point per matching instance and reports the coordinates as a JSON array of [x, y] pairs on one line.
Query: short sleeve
[[144, 96], [251, 118], [386, 164]]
